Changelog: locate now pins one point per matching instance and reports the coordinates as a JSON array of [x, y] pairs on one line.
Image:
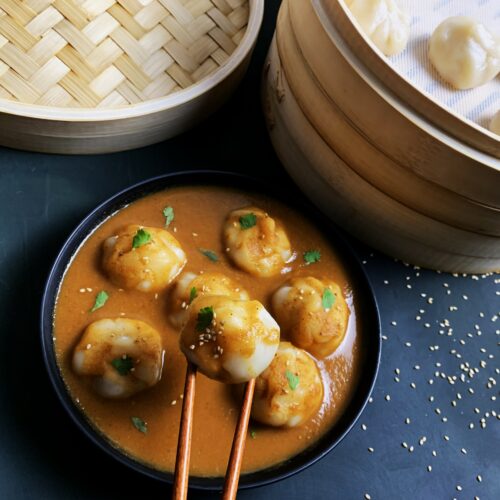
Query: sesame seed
[[371, 450], [363, 426], [387, 397], [479, 478], [429, 468]]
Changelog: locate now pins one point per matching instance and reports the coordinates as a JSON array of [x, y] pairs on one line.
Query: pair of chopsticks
[[181, 477]]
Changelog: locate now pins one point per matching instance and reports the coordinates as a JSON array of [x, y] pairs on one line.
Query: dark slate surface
[[43, 456]]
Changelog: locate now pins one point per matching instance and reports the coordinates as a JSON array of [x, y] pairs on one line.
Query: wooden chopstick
[[181, 477], [238, 448]]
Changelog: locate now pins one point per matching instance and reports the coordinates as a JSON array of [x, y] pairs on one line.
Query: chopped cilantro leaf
[[293, 380], [328, 299], [168, 212], [141, 238], [123, 365], [205, 318], [100, 299], [139, 424], [253, 434], [193, 294], [209, 254], [247, 221], [312, 256]]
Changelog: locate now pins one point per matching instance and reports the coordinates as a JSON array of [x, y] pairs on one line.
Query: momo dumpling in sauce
[[464, 52], [312, 314], [122, 356], [146, 259], [189, 286], [290, 391], [256, 242], [229, 340], [384, 22]]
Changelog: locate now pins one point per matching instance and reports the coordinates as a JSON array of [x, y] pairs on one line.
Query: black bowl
[[369, 311]]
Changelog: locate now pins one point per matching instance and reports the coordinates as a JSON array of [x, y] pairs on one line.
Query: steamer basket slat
[[366, 159], [404, 137], [96, 76], [464, 129]]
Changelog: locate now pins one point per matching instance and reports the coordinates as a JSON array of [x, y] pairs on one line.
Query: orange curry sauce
[[199, 216]]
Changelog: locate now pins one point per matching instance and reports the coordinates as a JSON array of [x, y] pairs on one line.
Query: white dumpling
[[256, 242], [290, 391], [495, 123], [229, 340], [384, 21], [464, 52], [147, 259], [122, 356], [189, 286]]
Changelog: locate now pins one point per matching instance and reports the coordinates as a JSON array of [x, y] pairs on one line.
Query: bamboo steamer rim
[[388, 95], [405, 186], [488, 247], [474, 180], [369, 54], [293, 159], [171, 101]]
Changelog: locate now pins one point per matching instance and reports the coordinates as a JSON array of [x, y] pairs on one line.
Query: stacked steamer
[[90, 76], [388, 162]]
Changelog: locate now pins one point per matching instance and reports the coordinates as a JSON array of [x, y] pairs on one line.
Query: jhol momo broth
[[145, 424]]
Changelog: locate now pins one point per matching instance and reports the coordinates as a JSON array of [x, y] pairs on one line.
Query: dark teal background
[[44, 456]]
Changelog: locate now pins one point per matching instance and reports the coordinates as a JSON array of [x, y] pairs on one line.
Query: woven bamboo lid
[[107, 53]]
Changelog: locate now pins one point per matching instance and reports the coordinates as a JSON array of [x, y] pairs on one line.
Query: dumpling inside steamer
[[464, 52], [384, 21], [312, 314], [229, 340], [256, 243], [190, 286], [290, 391], [146, 259]]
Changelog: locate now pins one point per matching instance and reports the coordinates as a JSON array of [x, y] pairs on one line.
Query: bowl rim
[[150, 106], [124, 197]]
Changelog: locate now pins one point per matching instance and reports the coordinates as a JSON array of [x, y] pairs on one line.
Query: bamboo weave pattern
[[107, 53]]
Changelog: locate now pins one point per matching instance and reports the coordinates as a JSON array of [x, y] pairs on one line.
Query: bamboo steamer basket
[[364, 157], [89, 76], [405, 137], [354, 203], [336, 12]]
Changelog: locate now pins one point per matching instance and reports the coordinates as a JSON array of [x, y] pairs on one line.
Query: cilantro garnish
[[168, 212], [312, 256], [205, 318], [209, 254], [253, 434], [193, 294], [100, 299], [141, 238], [293, 380], [247, 221], [139, 424], [123, 365], [328, 299]]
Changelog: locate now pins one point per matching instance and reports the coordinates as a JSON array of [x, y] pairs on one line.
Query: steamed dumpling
[[464, 52], [384, 21], [190, 286], [122, 356], [256, 242], [312, 314], [495, 123], [290, 391], [229, 340], [147, 259]]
